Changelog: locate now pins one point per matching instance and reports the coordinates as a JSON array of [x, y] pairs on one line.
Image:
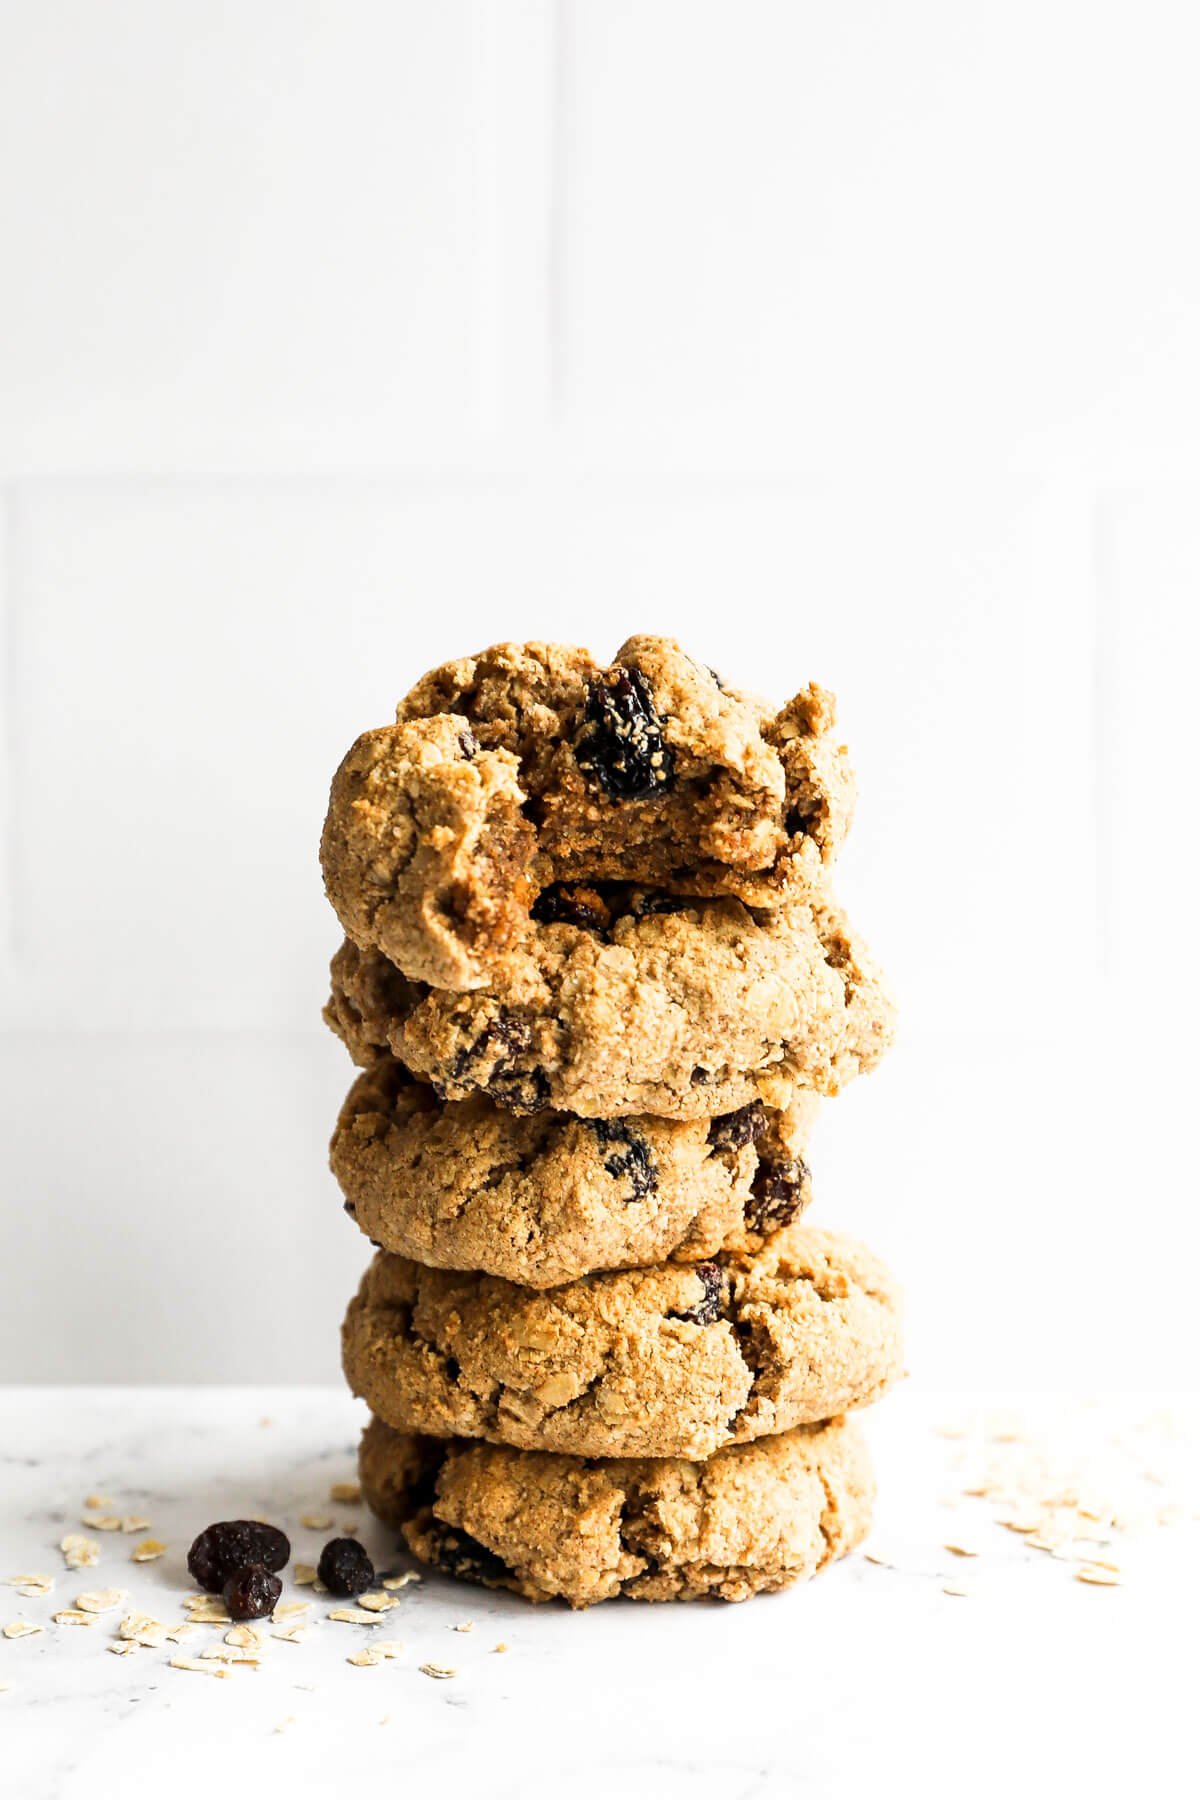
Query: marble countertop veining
[[963, 1674]]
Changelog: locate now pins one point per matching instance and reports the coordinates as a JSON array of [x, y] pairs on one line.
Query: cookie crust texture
[[530, 765], [543, 1199], [684, 1014], [753, 1518], [670, 1361]]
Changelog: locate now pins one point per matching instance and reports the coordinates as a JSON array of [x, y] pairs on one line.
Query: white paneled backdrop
[[856, 343]]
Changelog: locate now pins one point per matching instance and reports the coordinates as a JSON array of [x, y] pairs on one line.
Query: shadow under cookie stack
[[597, 985]]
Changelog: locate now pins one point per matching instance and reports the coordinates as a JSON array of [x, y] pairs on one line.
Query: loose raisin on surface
[[630, 1158], [712, 1302], [777, 1194], [457, 1553], [233, 1544], [622, 742], [345, 1567], [565, 904], [734, 1129], [251, 1593]]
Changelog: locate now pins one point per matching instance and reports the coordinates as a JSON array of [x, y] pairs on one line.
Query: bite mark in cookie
[[531, 767]]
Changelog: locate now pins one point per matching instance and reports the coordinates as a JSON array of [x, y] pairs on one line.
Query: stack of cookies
[[597, 984]]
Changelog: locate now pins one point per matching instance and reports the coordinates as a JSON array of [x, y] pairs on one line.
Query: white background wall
[[857, 343]]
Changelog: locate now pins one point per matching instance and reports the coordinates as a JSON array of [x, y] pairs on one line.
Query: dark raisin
[[712, 1303], [457, 1553], [569, 905], [701, 1076], [641, 905], [468, 743], [777, 1194], [504, 1036], [622, 741], [734, 1129], [345, 1567], [348, 1206], [233, 1544], [251, 1593], [490, 1063], [630, 1158]]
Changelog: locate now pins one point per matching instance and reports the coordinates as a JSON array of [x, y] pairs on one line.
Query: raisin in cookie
[[684, 1013], [753, 1518], [543, 1199], [669, 1361], [530, 766]]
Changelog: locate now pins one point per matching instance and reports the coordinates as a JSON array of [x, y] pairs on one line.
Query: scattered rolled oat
[[177, 1633], [33, 1587], [349, 1528], [244, 1637], [20, 1628], [100, 1600], [209, 1609], [199, 1666], [316, 1521], [354, 1615], [140, 1628], [304, 1574], [134, 1522], [346, 1491], [958, 1593], [80, 1552], [220, 1653], [394, 1582], [499, 1649], [466, 1625], [1097, 1576], [438, 1671], [147, 1550], [122, 1647], [290, 1609], [73, 1615], [376, 1601], [962, 1549], [97, 1502], [6, 1687], [101, 1521], [292, 1634], [382, 1651]]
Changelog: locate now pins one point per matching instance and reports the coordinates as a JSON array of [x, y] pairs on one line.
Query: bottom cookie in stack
[[752, 1518]]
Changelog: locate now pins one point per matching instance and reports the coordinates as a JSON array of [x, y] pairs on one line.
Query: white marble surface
[[873, 1676]]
